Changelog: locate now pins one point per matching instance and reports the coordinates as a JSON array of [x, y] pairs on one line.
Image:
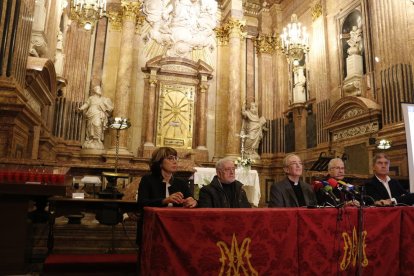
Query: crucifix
[[243, 136]]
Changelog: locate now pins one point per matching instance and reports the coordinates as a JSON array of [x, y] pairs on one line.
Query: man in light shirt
[[384, 190]]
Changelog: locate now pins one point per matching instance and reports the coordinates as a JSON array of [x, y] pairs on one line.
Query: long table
[[291, 241]]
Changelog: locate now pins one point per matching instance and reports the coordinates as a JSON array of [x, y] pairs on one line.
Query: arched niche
[[353, 116], [354, 18]]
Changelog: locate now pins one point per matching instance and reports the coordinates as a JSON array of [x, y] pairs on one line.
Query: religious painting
[[175, 115]]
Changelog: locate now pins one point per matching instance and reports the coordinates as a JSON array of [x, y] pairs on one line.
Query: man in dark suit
[[224, 191], [336, 175], [384, 190], [292, 192]]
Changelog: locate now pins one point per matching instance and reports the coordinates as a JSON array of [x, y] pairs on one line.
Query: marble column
[[234, 103], [149, 130], [250, 72], [319, 86], [266, 45], [124, 74], [202, 114], [99, 53], [319, 59]]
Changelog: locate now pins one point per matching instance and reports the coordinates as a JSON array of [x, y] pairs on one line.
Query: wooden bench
[[91, 264]]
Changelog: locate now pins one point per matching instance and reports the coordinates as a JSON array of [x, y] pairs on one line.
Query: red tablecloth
[[277, 241]]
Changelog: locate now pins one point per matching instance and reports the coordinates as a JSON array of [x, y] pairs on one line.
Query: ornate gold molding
[[140, 22], [128, 11], [354, 112], [236, 26], [203, 87], [152, 81], [115, 20], [367, 128], [222, 35], [267, 44], [232, 26], [316, 11]]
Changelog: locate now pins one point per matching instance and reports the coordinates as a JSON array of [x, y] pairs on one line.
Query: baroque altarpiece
[[182, 71]]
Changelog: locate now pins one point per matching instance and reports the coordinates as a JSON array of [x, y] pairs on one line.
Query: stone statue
[[354, 41], [299, 91], [253, 127], [59, 56], [97, 109], [181, 25]]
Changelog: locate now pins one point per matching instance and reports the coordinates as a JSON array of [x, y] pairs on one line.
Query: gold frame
[[175, 115]]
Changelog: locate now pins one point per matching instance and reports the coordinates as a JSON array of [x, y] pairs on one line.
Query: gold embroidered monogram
[[236, 261], [351, 250]]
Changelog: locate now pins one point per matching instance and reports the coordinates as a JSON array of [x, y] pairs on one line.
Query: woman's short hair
[[158, 156]]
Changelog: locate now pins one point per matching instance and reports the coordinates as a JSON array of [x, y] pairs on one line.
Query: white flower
[[245, 162]]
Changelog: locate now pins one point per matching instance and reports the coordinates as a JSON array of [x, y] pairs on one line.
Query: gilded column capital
[[266, 43], [234, 27], [222, 34], [152, 82], [127, 11], [316, 11], [203, 87], [130, 10], [115, 20]]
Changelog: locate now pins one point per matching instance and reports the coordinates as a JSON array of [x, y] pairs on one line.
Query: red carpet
[[96, 264]]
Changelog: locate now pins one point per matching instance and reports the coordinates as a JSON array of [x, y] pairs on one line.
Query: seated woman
[[160, 188]]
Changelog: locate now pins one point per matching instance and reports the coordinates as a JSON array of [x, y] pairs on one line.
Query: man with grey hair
[[224, 191], [384, 190], [292, 191], [336, 175], [336, 168]]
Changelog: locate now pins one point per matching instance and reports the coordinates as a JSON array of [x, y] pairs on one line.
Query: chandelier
[[87, 12], [294, 41], [384, 144]]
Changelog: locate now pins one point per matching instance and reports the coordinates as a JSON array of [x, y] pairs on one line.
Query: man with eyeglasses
[[292, 191], [336, 172], [224, 191]]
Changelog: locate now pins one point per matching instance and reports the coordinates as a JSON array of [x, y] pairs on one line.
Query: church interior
[[243, 79]]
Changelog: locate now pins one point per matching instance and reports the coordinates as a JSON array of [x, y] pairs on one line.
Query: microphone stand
[[360, 231]]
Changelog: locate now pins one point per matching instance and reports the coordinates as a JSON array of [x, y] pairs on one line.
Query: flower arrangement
[[245, 162]]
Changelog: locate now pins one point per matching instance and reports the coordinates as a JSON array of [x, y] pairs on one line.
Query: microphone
[[333, 183], [348, 187], [328, 189], [317, 185]]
